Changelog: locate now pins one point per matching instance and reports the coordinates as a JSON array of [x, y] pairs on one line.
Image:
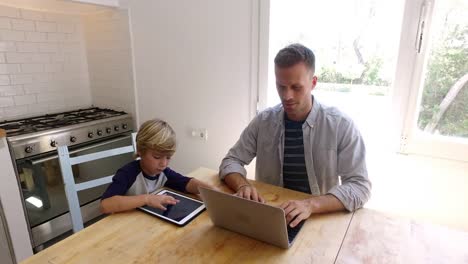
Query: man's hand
[[242, 188], [159, 201], [298, 210], [249, 192], [302, 209]]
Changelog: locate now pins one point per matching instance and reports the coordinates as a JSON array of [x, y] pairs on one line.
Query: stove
[[33, 146], [41, 134]]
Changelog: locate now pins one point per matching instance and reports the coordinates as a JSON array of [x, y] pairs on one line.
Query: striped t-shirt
[[294, 168]]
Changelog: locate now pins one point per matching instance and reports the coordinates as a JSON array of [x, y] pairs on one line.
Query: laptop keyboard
[[293, 231]]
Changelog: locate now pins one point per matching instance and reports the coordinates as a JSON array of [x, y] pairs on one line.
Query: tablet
[[181, 213]]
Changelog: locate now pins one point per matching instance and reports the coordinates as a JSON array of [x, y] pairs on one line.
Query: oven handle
[[37, 161]]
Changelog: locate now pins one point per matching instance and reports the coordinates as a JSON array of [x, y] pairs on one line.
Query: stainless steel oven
[[43, 190], [38, 170]]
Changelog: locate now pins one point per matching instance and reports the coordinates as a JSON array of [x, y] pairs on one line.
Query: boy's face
[[153, 162]]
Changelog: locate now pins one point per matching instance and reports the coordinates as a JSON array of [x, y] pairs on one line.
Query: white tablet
[[180, 214]]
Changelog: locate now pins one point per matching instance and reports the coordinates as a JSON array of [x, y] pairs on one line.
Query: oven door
[[43, 189]]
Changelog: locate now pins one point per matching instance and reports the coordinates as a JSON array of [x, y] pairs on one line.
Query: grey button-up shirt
[[333, 148]]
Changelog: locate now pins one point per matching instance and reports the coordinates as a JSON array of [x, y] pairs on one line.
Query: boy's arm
[[183, 183], [193, 184], [119, 203], [114, 199]]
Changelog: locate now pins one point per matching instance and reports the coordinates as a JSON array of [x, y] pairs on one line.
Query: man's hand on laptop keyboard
[[249, 192], [296, 211], [242, 188]]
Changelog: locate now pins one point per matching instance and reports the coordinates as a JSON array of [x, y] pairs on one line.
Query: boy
[[134, 184]]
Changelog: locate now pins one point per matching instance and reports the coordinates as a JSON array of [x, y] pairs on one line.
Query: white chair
[[72, 189]]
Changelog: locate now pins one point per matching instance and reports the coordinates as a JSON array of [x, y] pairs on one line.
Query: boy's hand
[[158, 201]]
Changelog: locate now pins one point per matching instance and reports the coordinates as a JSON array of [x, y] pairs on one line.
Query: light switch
[[200, 133]]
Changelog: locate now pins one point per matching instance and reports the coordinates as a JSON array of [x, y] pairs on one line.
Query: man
[[301, 145]]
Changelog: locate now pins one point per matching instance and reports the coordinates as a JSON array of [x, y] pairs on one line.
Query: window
[[437, 112], [356, 48], [396, 67]]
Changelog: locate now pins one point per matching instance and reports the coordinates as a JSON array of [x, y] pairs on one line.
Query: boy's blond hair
[[156, 135]]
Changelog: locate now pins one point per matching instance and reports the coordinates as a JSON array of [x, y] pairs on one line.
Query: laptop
[[253, 219]]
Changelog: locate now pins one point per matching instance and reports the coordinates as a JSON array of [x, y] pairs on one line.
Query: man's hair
[[156, 135], [294, 54]]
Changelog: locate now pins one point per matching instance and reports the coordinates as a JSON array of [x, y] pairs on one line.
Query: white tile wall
[[43, 65], [110, 60], [6, 11]]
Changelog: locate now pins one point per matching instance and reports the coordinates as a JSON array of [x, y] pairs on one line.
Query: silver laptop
[[257, 220]]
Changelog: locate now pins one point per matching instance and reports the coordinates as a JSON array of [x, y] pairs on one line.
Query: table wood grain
[[136, 237], [375, 237]]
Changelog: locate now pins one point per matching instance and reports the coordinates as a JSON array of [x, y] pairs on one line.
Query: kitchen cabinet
[[11, 199], [6, 249]]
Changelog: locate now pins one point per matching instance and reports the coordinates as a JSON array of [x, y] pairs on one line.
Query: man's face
[[294, 86]]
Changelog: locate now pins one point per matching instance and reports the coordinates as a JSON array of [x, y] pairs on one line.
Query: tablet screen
[[179, 213]]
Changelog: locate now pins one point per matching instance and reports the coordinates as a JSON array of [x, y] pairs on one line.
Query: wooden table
[[366, 236], [136, 237], [375, 237]]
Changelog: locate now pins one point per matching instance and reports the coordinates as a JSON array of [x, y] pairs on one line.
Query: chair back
[[72, 189]]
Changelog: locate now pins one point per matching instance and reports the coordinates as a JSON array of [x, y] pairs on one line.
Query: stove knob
[[124, 126], [108, 130], [116, 128], [53, 143], [28, 149], [91, 134], [72, 139], [99, 132]]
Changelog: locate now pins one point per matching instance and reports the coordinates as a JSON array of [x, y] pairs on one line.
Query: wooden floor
[[422, 188]]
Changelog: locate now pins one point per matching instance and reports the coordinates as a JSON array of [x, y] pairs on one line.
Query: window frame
[[408, 90]]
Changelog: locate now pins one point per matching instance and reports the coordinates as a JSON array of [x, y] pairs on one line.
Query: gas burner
[[42, 134], [17, 128], [58, 120]]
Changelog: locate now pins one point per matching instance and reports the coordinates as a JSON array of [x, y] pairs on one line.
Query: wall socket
[[200, 133]]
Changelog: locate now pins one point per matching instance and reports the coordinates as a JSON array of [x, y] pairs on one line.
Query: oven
[[33, 146], [43, 191]]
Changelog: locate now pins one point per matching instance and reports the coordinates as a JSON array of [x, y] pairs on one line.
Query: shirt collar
[[311, 118]]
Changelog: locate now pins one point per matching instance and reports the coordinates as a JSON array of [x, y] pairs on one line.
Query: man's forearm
[[325, 203], [235, 181]]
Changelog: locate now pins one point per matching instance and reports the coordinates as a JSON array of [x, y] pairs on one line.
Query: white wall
[[193, 68], [110, 60], [43, 66]]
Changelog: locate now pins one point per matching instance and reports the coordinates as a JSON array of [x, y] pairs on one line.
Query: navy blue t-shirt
[[294, 167], [127, 175]]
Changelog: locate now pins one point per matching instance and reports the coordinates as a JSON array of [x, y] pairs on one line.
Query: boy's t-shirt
[[131, 180]]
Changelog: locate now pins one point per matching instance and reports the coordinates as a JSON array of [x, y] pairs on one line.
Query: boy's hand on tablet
[[159, 201]]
